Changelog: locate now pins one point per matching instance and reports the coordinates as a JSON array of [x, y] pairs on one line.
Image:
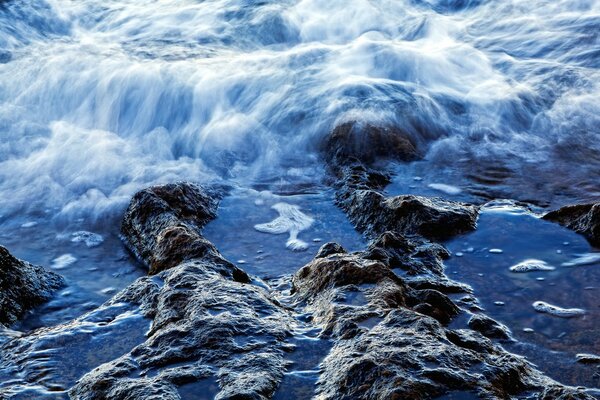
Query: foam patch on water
[[63, 261], [291, 220], [543, 307], [89, 238], [583, 259], [532, 265]]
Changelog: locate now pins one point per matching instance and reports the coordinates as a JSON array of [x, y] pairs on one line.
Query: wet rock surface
[[200, 319], [369, 143], [392, 340], [409, 351], [23, 286], [582, 218], [373, 213], [198, 323]]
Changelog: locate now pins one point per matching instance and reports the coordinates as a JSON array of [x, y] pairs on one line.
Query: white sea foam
[[99, 99], [89, 238], [63, 261], [531, 265], [583, 259], [448, 189], [543, 307], [291, 220]]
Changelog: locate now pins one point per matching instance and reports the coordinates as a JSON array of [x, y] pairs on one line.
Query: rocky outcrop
[[359, 195], [23, 286], [582, 218], [206, 322], [198, 321], [391, 339], [388, 308]]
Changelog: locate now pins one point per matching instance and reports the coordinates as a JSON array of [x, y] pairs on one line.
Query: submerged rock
[[588, 358], [23, 286], [582, 218], [369, 143]]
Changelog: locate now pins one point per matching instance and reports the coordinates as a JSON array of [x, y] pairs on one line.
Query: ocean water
[[99, 99]]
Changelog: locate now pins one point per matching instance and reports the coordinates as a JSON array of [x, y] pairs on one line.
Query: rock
[[23, 286], [197, 319], [368, 143], [405, 353], [432, 218], [161, 227], [194, 320], [588, 358], [373, 213], [330, 248], [582, 218], [488, 327]]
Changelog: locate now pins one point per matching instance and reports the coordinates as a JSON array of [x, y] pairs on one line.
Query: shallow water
[[93, 274], [549, 341], [264, 254]]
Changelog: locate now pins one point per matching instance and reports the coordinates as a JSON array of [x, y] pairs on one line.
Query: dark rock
[[405, 353], [582, 218], [435, 304], [588, 358], [368, 143], [162, 228], [204, 321], [23, 286], [330, 248], [432, 218], [488, 327]]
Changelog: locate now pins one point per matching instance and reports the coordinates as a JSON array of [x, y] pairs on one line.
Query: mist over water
[[99, 99]]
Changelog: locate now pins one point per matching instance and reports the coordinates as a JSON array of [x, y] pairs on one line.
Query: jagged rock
[[582, 218], [385, 347], [23, 286], [329, 249], [161, 227], [488, 327], [432, 218], [195, 320]]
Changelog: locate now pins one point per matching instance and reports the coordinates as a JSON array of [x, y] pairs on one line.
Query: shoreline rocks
[[23, 286], [387, 312]]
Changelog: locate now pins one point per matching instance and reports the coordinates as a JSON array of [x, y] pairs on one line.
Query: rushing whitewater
[[99, 99]]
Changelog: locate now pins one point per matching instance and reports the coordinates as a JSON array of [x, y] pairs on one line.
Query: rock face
[[390, 329], [162, 224], [373, 213], [23, 286], [582, 218], [207, 321]]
